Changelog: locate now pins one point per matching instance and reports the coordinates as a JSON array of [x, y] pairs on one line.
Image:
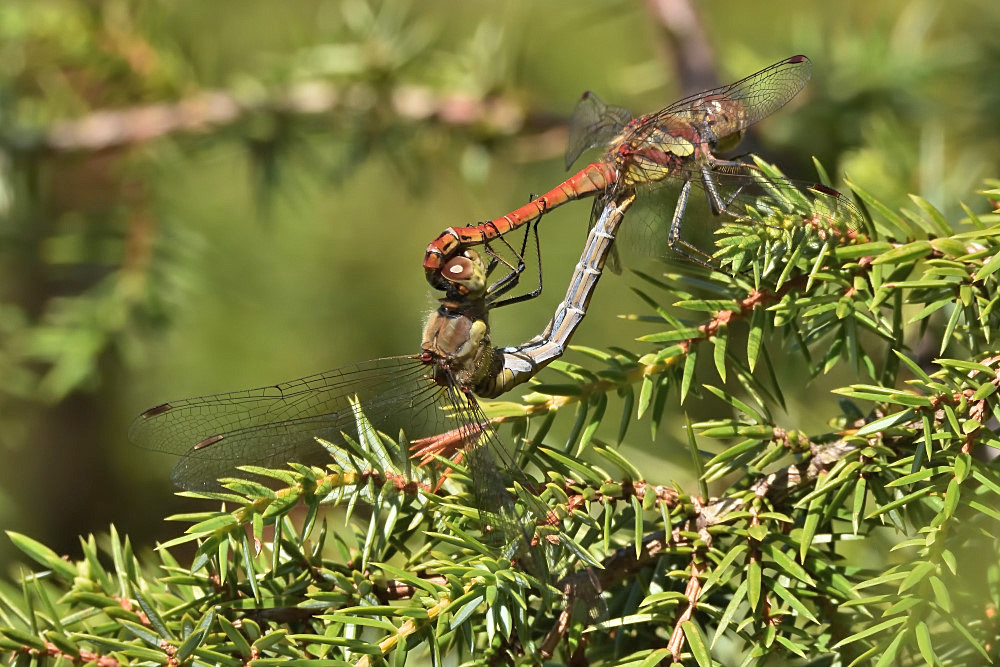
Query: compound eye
[[465, 273], [458, 269]]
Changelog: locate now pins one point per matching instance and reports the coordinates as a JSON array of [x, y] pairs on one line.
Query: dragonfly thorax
[[457, 335], [649, 153], [457, 342]]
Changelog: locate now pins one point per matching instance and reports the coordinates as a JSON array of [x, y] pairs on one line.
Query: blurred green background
[[276, 227]]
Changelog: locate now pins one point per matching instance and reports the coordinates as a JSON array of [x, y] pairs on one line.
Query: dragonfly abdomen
[[593, 178]]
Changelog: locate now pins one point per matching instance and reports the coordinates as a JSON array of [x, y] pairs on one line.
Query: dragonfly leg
[[516, 267], [719, 205], [674, 240], [509, 281], [738, 161], [513, 276], [459, 284], [675, 222], [512, 279], [715, 200]]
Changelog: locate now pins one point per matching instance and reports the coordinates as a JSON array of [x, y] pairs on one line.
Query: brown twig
[[212, 109], [83, 656], [775, 487], [687, 44], [692, 593]]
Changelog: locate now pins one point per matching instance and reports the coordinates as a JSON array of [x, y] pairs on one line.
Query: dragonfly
[[677, 145], [431, 397]]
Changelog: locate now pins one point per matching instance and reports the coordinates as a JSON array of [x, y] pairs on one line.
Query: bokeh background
[[198, 197]]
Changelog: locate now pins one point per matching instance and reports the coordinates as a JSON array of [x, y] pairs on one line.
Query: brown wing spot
[[826, 190], [158, 410], [208, 441]]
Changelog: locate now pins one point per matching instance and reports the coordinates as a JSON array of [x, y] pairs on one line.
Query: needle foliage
[[872, 541]]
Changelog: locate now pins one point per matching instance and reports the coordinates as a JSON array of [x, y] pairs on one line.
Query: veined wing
[[746, 193], [512, 518], [270, 426], [760, 94], [492, 469], [745, 187], [593, 124]]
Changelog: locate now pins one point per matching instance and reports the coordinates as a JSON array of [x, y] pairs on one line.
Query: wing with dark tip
[[760, 94], [746, 192]]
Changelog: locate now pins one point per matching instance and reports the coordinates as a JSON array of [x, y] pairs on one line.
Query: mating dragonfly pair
[[430, 397]]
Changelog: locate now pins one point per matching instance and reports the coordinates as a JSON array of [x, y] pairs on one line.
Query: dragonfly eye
[[459, 268], [729, 142], [466, 272]]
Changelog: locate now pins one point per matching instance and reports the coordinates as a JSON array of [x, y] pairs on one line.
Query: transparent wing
[[760, 94], [724, 111], [593, 124], [745, 193], [270, 426], [493, 471]]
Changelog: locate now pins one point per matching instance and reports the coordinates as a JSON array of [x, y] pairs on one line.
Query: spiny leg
[[674, 240], [493, 294]]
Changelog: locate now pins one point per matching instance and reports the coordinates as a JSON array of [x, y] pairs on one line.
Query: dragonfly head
[[464, 276], [726, 119]]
